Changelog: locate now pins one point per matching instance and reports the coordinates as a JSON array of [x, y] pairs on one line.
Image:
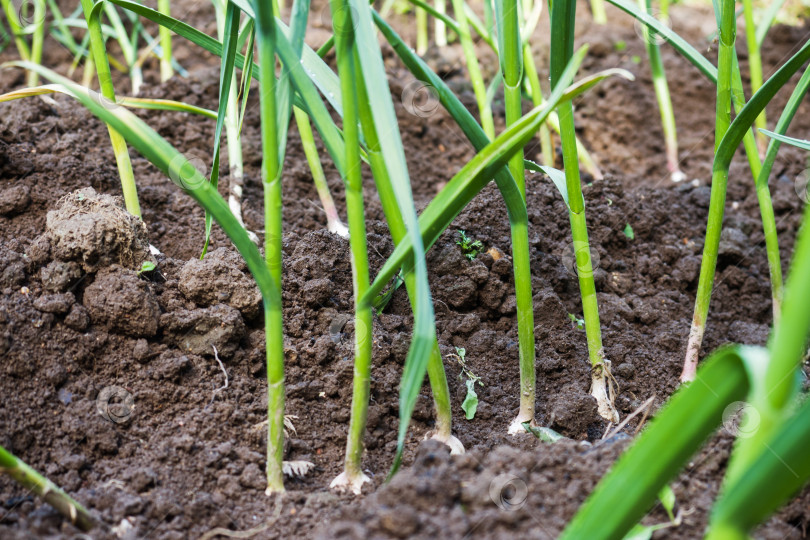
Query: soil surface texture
[[142, 394]]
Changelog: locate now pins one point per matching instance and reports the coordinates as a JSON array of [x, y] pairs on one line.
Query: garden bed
[[189, 455]]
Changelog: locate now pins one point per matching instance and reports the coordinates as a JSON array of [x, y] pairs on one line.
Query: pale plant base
[[344, 483], [337, 227], [692, 352], [235, 204], [516, 427], [603, 392], [456, 448], [678, 176]]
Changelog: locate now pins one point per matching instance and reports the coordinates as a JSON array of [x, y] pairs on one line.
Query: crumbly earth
[[185, 454]]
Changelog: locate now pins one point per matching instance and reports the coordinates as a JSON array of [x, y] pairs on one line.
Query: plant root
[[296, 469], [603, 389], [344, 483]]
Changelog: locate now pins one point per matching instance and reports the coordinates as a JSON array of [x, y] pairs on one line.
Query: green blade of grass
[[511, 59], [266, 34], [396, 225], [782, 138], [477, 173], [30, 479], [99, 53], [766, 20], [768, 483], [624, 495], [780, 382], [353, 476], [373, 72], [764, 193], [126, 101], [680, 44], [166, 69], [231, 33], [725, 151], [563, 17]]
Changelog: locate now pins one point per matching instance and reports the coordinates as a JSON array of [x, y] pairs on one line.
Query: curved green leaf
[[624, 495], [476, 174], [131, 102], [769, 482], [381, 104], [689, 52]]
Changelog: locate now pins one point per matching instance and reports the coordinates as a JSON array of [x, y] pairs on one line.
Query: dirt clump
[[95, 230], [120, 301], [220, 278]]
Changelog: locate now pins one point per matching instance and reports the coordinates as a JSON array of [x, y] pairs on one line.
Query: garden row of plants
[[255, 42]]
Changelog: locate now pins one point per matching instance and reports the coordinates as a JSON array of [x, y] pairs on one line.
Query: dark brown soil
[[78, 323]]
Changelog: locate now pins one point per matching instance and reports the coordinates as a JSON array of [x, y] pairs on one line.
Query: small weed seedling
[[577, 322], [147, 266], [469, 247], [470, 404]]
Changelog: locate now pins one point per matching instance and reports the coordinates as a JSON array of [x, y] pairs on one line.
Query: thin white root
[[456, 448], [516, 427], [355, 485], [603, 390], [296, 469]]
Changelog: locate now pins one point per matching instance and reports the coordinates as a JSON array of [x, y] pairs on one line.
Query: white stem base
[[516, 427], [456, 448], [337, 227], [692, 352], [603, 392], [344, 483]]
